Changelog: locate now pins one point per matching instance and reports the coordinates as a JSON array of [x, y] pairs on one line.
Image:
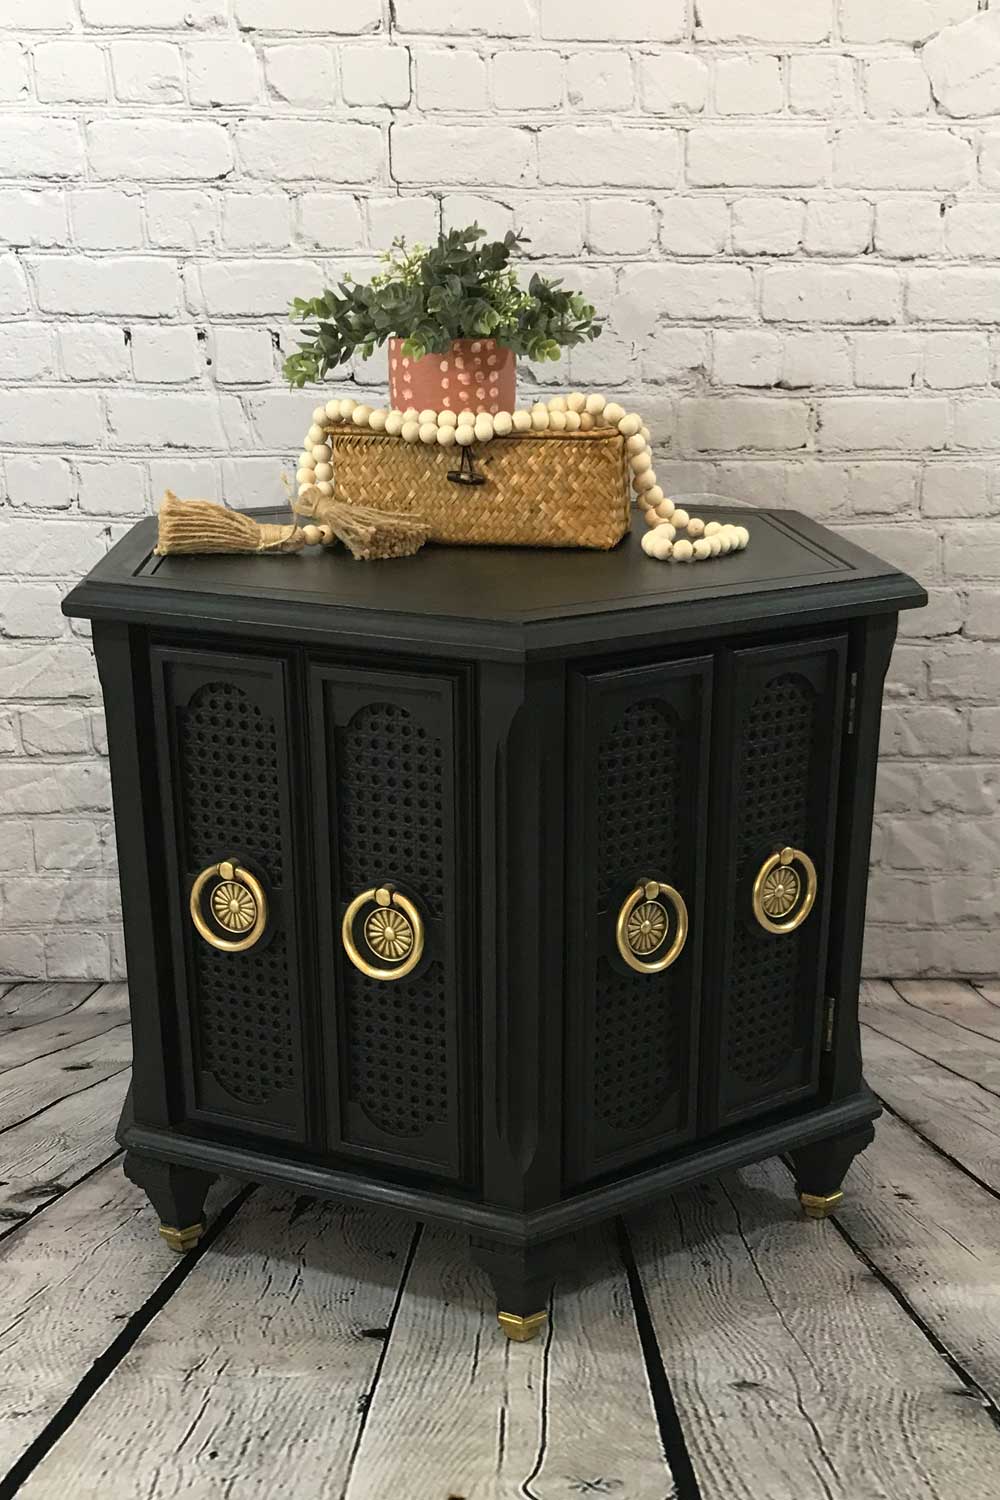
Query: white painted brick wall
[[791, 213]]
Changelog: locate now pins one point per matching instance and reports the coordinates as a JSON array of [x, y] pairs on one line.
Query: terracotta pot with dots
[[475, 375]]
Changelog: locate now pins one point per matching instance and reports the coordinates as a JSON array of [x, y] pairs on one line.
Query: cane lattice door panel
[[775, 774], [225, 780], [397, 1019], [636, 837]]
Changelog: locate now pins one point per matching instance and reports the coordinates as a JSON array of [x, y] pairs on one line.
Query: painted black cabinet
[[508, 889]]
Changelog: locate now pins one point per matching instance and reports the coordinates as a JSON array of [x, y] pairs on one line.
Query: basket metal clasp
[[466, 473]]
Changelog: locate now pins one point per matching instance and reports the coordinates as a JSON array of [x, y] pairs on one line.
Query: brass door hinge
[[829, 1021], [852, 702]]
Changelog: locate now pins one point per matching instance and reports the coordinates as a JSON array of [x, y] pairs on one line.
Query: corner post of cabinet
[[522, 757], [122, 664], [872, 640]]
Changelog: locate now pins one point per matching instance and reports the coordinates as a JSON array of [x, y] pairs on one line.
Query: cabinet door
[[776, 758], [226, 779], [390, 816], [637, 810]]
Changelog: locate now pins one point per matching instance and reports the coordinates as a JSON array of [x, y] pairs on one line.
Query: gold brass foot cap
[[182, 1240], [820, 1206], [520, 1330]]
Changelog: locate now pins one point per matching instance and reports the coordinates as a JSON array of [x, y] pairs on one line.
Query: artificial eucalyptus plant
[[429, 296]]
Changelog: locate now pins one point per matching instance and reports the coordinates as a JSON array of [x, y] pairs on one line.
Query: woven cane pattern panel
[[229, 779], [245, 1027], [778, 756], [638, 1051], [636, 836], [636, 1054], [391, 804], [398, 1050]]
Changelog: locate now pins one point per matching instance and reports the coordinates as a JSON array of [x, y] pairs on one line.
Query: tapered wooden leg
[[821, 1168], [522, 1279], [177, 1194]]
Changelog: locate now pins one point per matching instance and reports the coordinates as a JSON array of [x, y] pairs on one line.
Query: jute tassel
[[368, 533], [203, 526]]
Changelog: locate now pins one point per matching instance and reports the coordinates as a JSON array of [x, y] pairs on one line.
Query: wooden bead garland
[[573, 413]]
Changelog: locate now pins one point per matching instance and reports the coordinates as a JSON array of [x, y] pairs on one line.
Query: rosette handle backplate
[[643, 927], [782, 897], [393, 930]]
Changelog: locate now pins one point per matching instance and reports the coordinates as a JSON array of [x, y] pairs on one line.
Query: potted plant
[[455, 318]]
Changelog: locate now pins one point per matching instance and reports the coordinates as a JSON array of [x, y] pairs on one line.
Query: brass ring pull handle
[[237, 903], [394, 930], [643, 924], [779, 889]]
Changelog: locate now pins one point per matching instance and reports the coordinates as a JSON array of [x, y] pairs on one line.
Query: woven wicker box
[[541, 489]]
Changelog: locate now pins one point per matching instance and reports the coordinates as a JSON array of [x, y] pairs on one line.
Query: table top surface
[[516, 600]]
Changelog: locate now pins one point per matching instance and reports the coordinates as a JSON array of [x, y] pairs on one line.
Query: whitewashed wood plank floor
[[717, 1347]]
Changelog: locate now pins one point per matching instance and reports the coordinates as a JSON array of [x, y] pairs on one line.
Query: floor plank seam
[[675, 1449], [27, 1025], [53, 1103], [972, 1386], [866, 1021], [543, 1420], [370, 1393], [108, 1361], [925, 1010], [55, 1051], [27, 1218], [938, 1150]]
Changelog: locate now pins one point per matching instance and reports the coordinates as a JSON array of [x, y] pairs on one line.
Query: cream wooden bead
[[696, 526], [539, 418], [651, 518], [360, 415], [427, 432], [315, 435], [377, 419], [326, 533], [394, 423], [411, 415], [715, 542], [467, 418], [324, 471], [325, 487], [311, 534], [643, 482], [594, 405], [410, 432], [743, 536], [321, 454], [503, 423], [587, 422], [347, 406], [657, 543], [522, 421], [304, 489], [319, 414], [557, 403], [713, 528], [665, 526], [683, 551], [680, 518], [639, 463], [446, 436], [572, 421], [465, 435], [635, 444], [331, 412], [702, 548], [613, 413], [304, 476], [447, 418], [483, 427], [629, 425], [667, 509], [654, 496], [426, 416], [576, 401], [646, 433], [725, 541], [557, 421]]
